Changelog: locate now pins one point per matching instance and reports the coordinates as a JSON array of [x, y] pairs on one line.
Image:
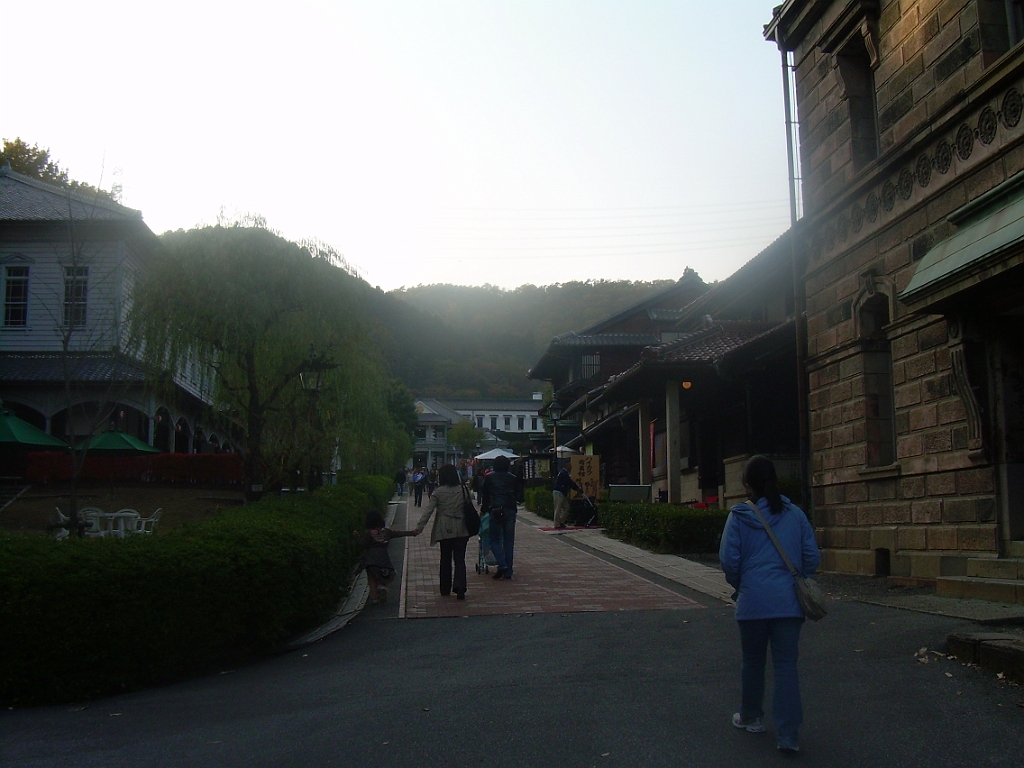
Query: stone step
[[975, 588], [1016, 549], [996, 568]]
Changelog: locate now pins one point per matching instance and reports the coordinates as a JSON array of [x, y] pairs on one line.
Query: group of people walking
[[500, 493], [421, 480], [768, 612]]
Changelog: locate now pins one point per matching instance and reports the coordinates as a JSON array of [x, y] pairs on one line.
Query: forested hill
[[458, 341]]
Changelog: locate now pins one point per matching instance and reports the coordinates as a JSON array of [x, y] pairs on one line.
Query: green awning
[[116, 441], [15, 431], [990, 241]]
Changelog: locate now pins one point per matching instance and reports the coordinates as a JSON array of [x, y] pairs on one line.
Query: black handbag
[[469, 513], [808, 593]]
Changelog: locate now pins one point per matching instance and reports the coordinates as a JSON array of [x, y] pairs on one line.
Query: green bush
[[665, 527], [540, 502], [90, 617]]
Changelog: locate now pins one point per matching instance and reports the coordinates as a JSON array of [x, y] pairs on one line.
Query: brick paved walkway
[[551, 576]]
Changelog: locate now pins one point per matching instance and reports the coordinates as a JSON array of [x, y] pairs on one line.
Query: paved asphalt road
[[617, 688]]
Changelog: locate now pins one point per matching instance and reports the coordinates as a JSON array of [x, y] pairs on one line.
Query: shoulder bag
[[808, 593], [469, 513]]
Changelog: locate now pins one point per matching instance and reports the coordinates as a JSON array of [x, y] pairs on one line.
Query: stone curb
[[354, 602], [998, 652]]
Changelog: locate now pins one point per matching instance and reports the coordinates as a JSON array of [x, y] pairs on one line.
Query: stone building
[[911, 148]]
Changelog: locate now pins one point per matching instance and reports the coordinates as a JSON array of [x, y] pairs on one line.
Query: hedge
[[91, 617], [539, 501], [665, 527]]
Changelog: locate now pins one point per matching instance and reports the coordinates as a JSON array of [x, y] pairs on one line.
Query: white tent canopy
[[495, 453], [564, 450]]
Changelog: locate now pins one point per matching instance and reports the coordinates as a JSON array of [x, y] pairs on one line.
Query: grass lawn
[[181, 504]]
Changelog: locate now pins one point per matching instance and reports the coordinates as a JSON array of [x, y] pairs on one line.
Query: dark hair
[[448, 475], [759, 475], [374, 519], [501, 464]]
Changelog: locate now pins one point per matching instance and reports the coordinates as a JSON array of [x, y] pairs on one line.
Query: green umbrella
[[115, 441], [15, 431]]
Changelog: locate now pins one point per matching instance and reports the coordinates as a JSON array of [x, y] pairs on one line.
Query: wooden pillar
[[672, 387], [643, 416]]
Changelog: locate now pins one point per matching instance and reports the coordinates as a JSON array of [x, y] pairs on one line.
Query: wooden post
[[644, 422], [672, 387]]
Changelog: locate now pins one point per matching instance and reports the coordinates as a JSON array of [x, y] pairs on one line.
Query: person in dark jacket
[[560, 495], [499, 495], [419, 482], [767, 610]]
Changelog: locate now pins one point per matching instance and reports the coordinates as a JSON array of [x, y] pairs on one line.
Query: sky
[[468, 142]]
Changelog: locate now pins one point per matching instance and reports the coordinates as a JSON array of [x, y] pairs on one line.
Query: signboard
[[586, 471]]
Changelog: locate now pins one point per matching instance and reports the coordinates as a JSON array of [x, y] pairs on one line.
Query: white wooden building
[[68, 266]]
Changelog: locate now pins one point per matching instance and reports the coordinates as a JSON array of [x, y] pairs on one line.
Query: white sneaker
[[750, 726]]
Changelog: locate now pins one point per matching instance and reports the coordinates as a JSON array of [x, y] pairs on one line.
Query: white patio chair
[[97, 520], [59, 524], [124, 522], [148, 524]]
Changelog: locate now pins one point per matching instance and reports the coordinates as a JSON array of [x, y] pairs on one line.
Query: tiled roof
[[609, 420], [705, 348], [690, 279], [580, 403], [23, 198], [573, 339], [708, 345], [664, 314], [435, 410], [49, 369], [737, 287]]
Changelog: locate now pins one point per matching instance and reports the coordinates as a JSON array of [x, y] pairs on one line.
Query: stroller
[[485, 558], [582, 512]]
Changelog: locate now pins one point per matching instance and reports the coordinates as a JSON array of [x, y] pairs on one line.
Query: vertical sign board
[[586, 471]]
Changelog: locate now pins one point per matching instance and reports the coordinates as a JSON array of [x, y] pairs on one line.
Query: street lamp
[[312, 376], [555, 412]]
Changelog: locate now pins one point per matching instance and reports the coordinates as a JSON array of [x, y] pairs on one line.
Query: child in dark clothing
[[379, 568]]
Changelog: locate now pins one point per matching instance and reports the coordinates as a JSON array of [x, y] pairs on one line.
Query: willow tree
[[245, 305]]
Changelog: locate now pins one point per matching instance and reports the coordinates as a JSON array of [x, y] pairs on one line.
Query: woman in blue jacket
[[767, 610]]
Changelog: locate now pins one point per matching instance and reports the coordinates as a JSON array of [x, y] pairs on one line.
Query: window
[[533, 423], [508, 422], [590, 365], [479, 422], [15, 297], [494, 422], [857, 79], [1015, 20], [878, 389], [76, 289], [521, 421]]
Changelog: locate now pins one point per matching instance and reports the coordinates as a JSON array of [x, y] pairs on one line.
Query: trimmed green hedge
[[91, 617], [665, 527], [540, 502]]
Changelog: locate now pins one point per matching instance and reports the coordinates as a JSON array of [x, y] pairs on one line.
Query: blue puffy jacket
[[752, 565]]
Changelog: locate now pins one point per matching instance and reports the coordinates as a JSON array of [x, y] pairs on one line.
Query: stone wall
[[949, 110]]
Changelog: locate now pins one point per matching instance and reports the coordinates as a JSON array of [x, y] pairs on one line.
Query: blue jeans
[[503, 540], [784, 636]]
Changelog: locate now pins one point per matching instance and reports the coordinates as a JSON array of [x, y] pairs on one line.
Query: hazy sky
[[460, 142]]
